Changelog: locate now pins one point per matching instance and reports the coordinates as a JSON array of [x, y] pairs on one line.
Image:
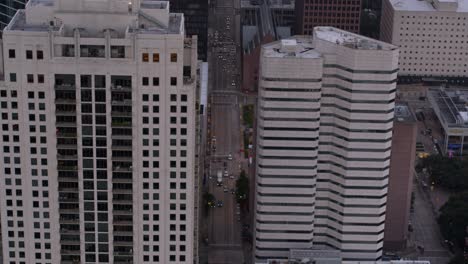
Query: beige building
[[431, 34], [98, 138], [325, 118]]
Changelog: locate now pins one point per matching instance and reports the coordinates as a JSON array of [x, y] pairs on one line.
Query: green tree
[[450, 173], [248, 115], [458, 259], [453, 218], [242, 187], [208, 199]]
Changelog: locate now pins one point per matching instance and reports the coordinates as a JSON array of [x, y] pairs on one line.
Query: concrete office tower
[[98, 134], [400, 184], [431, 36], [325, 117], [8, 10], [335, 13]]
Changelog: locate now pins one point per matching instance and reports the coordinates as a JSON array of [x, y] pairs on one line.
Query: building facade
[[8, 10], [431, 36], [400, 184], [335, 13], [325, 117], [98, 138], [196, 21]]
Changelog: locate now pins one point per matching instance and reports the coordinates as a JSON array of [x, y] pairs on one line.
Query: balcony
[[66, 135], [126, 102], [65, 100], [122, 169], [120, 88], [67, 168], [70, 252], [65, 86], [65, 123], [68, 199], [67, 157], [122, 158], [122, 114], [122, 123]]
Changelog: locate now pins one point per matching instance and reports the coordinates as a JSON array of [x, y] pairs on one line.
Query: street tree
[[242, 187], [453, 219]]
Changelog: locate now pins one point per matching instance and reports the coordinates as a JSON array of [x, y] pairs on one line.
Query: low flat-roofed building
[[451, 108]]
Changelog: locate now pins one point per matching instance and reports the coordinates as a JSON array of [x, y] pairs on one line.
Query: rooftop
[[403, 113], [350, 40], [426, 5], [161, 22], [297, 46], [452, 104]]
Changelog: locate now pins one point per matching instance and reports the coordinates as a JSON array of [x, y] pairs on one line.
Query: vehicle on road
[[231, 176], [226, 173], [219, 178], [229, 157], [233, 191], [225, 190], [220, 203]]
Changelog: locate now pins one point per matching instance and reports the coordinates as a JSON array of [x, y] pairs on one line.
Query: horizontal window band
[[271, 249], [355, 91], [353, 159], [285, 222], [359, 71], [353, 177], [285, 194], [290, 119], [351, 196], [287, 128], [352, 186], [275, 99], [286, 204], [349, 241], [311, 90], [281, 109], [290, 138], [347, 214], [358, 101], [374, 131], [357, 120], [286, 213], [287, 158], [353, 168], [348, 223], [349, 250], [283, 231], [323, 105], [290, 80], [286, 148], [286, 186], [324, 143], [337, 76], [287, 167], [284, 240], [287, 176], [355, 139], [347, 205]]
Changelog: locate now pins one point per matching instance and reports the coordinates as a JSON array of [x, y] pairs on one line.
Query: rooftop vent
[[288, 45]]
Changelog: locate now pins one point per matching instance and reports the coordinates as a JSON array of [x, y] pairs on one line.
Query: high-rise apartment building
[[343, 14], [98, 134], [325, 117], [196, 21], [8, 10], [431, 35]]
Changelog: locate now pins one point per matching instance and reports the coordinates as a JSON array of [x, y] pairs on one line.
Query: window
[[30, 78], [145, 57], [40, 55], [173, 81], [155, 81], [145, 81], [11, 54], [40, 78], [155, 57], [12, 77], [29, 54], [173, 57], [92, 51]]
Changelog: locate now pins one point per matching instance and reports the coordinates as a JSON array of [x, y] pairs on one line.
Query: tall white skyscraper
[[98, 134], [325, 117]]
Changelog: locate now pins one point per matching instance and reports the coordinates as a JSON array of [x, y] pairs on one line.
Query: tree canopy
[[450, 173], [453, 219], [242, 187]]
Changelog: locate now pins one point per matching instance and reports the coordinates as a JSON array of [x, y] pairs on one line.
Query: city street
[[222, 226]]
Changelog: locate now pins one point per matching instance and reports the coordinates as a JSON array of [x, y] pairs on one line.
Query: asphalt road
[[223, 225]]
